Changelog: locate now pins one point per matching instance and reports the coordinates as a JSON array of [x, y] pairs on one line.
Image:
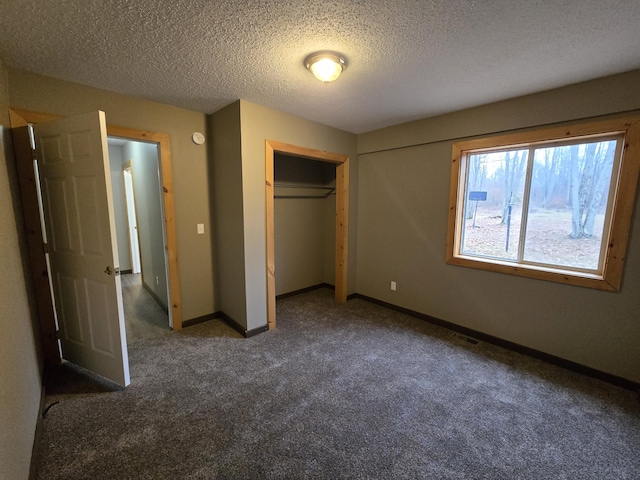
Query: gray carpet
[[337, 391]]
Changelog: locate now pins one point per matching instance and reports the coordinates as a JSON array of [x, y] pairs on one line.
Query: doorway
[[141, 237], [342, 217]]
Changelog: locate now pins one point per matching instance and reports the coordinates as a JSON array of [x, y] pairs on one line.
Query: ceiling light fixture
[[325, 66]]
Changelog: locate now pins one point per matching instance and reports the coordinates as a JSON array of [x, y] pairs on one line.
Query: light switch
[[201, 229]]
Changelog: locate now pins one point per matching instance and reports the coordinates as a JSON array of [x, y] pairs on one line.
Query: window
[[553, 204]]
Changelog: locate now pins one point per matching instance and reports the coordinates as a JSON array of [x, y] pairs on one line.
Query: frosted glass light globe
[[326, 67]]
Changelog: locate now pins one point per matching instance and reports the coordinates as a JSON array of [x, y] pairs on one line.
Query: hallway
[[143, 316]]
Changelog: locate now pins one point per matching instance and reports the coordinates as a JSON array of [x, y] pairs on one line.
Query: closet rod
[[311, 187], [324, 195], [321, 197]]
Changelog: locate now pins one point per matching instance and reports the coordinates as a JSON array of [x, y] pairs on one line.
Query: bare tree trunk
[[575, 192], [513, 172], [602, 177], [587, 184], [551, 178], [508, 188]]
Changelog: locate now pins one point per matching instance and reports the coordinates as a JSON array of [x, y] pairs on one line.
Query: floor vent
[[464, 338]]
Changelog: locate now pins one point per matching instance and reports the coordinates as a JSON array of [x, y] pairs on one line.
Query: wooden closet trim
[[342, 217]]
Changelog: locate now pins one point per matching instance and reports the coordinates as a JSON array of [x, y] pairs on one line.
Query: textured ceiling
[[407, 59]]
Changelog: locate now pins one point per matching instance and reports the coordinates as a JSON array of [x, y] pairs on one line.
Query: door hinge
[[45, 248], [117, 272]]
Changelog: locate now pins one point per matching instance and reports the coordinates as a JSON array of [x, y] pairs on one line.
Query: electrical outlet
[[393, 285]]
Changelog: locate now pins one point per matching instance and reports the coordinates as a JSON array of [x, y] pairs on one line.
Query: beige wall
[[226, 182], [259, 124], [190, 167], [309, 230], [402, 227], [608, 95], [299, 243], [20, 375]]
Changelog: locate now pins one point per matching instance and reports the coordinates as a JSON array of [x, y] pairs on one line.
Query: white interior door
[[78, 209]]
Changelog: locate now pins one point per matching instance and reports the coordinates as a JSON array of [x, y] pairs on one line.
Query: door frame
[[342, 217], [22, 118]]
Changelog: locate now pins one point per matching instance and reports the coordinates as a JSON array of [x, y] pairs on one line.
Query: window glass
[[493, 203], [570, 188], [554, 216]]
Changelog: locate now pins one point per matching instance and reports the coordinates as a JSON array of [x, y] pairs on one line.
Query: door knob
[[108, 271]]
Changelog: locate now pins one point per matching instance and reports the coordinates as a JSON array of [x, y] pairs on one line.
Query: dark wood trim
[[256, 331], [240, 329], [204, 318], [304, 290], [126, 272], [37, 437], [531, 352], [229, 321]]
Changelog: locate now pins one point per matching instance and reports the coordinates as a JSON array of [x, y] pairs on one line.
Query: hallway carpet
[[143, 316], [337, 391]]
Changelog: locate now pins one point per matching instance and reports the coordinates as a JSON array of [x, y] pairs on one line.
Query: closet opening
[[307, 198]]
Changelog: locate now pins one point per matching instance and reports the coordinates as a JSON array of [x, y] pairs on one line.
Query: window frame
[[621, 211]]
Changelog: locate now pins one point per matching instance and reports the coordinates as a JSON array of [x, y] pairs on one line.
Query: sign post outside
[[478, 197]]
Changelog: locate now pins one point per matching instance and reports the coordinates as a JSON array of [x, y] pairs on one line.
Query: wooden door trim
[[342, 217], [164, 154]]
